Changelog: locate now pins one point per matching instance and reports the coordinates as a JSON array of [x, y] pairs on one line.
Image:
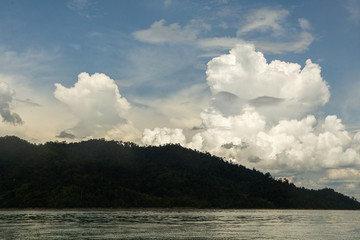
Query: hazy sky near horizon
[[267, 84]]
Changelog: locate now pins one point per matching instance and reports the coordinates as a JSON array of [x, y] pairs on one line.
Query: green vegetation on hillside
[[110, 174]]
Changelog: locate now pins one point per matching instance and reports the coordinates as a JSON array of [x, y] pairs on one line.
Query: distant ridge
[[111, 174]]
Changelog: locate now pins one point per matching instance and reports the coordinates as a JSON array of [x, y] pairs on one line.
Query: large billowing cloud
[[246, 73], [6, 98], [260, 115], [263, 116], [290, 145], [97, 103], [285, 88]]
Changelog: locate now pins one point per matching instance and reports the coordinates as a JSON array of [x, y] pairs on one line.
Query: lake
[[179, 224]]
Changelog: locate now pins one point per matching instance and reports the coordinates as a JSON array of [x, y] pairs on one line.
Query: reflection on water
[[179, 224]]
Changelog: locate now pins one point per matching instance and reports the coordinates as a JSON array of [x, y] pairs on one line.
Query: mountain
[[111, 174]]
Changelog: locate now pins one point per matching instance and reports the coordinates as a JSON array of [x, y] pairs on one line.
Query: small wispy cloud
[[353, 7], [167, 3], [80, 7], [161, 33], [28, 62], [266, 28], [28, 102], [298, 45], [65, 134], [304, 24], [263, 20]]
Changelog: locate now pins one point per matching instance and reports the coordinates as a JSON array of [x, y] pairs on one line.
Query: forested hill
[[110, 174]]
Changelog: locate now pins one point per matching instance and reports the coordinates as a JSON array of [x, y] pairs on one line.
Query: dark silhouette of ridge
[[111, 174]]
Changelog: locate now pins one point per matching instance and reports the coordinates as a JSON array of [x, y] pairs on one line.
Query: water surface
[[179, 224]]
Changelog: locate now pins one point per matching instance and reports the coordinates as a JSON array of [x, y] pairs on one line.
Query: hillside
[[110, 174]]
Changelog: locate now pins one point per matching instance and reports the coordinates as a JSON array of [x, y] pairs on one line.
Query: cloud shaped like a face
[[245, 73], [6, 98], [96, 101]]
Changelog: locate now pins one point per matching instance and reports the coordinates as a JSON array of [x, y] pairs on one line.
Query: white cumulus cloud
[[289, 145], [245, 73], [97, 103], [261, 115], [160, 136]]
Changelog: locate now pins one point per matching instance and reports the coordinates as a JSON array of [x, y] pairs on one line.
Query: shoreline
[[167, 209]]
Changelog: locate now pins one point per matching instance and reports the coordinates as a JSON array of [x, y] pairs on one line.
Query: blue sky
[[228, 77]]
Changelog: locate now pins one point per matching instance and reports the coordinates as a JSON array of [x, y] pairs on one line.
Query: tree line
[[115, 174]]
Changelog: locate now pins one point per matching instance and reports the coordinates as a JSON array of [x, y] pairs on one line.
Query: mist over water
[[179, 224]]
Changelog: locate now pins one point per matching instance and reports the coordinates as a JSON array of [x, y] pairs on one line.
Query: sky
[[272, 85]]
